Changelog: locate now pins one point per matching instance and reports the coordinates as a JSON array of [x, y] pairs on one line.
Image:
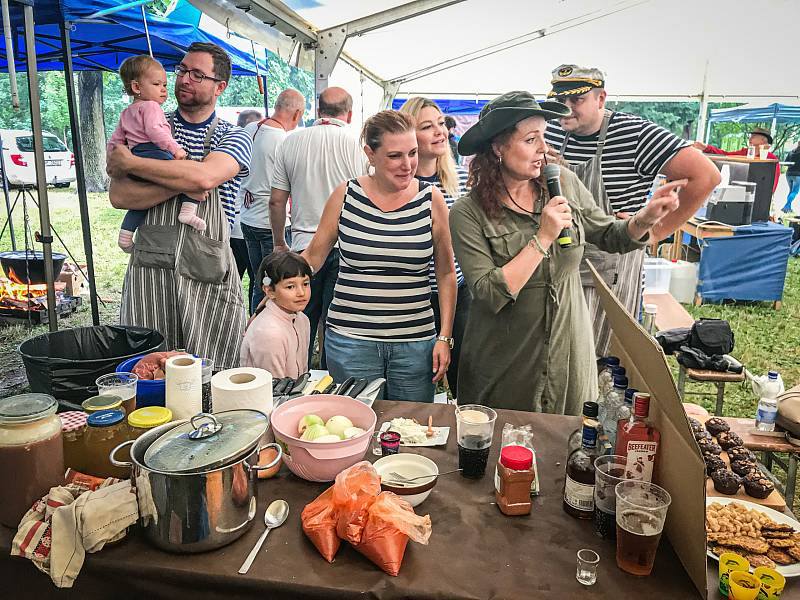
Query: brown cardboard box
[[680, 469], [76, 284]]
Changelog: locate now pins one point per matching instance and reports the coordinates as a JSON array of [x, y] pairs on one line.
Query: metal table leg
[[720, 398], [791, 481], [681, 381]]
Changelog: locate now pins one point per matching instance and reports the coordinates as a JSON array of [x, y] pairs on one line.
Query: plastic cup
[[587, 566], [728, 563], [751, 152], [641, 512], [474, 431], [763, 151], [744, 586], [772, 583], [609, 471], [122, 385]]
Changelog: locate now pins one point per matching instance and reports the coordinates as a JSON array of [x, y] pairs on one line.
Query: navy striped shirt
[[635, 152], [463, 175], [382, 292], [227, 138]]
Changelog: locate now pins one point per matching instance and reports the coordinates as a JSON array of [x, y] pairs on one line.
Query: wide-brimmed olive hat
[[504, 112]]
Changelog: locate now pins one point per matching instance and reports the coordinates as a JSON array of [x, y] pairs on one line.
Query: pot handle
[[114, 461], [274, 462]]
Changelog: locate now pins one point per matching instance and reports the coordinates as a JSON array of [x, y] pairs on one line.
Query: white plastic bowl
[[409, 465]]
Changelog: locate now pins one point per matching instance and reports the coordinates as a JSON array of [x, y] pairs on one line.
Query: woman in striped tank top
[[389, 227], [437, 167]]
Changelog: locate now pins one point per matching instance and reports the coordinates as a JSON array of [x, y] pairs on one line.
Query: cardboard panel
[[680, 469]]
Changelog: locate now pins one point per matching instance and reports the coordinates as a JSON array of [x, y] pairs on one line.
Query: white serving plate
[[778, 517], [439, 437]]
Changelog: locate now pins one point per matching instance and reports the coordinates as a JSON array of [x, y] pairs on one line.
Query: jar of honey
[[31, 453], [102, 402], [106, 429], [144, 419], [73, 426]]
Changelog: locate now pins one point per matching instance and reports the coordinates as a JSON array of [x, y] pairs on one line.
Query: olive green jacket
[[533, 350]]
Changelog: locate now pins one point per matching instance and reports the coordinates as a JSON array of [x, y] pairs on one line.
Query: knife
[[322, 384], [348, 383], [299, 384], [373, 386], [358, 387]]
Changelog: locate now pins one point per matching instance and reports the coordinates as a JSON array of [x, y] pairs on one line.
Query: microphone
[[551, 175]]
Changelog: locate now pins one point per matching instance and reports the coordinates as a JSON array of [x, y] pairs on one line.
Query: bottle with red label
[[638, 440]]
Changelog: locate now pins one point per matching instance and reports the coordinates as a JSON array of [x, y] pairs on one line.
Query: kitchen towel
[[184, 386], [245, 387]]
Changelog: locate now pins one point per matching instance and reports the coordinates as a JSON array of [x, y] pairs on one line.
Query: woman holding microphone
[[528, 343]]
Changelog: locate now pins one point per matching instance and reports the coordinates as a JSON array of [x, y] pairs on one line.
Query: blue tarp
[[749, 113], [103, 44], [451, 107], [750, 265]]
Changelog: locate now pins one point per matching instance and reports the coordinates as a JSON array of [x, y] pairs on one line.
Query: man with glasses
[[617, 156], [180, 282]]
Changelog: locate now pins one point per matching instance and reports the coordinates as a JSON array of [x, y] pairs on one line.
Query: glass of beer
[[641, 512], [609, 470], [474, 432]]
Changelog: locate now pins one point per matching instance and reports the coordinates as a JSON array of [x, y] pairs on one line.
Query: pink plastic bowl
[[321, 461]]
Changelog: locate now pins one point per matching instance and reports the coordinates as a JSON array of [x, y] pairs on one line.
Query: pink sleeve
[[156, 128], [118, 137]]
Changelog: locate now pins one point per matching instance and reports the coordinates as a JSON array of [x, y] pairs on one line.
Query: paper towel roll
[[184, 386], [245, 387]]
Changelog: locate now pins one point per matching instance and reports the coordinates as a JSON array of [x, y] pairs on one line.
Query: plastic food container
[[31, 453], [321, 461], [657, 274], [149, 392]]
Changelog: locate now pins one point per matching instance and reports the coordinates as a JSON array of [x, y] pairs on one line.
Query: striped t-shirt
[[382, 292], [227, 138], [635, 152], [463, 175]]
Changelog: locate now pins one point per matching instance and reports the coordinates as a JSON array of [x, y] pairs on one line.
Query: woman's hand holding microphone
[[556, 216]]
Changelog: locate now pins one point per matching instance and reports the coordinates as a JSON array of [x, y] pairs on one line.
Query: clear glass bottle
[[639, 441], [579, 481], [605, 380], [590, 411]]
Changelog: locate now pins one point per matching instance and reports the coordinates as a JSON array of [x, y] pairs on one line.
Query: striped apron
[[184, 283], [621, 272]]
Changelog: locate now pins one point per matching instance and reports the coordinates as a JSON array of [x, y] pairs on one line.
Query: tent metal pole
[[9, 210], [12, 71], [80, 176], [703, 116], [112, 10], [708, 133], [146, 32], [45, 237]]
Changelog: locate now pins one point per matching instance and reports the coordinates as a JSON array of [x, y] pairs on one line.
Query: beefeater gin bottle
[[638, 440]]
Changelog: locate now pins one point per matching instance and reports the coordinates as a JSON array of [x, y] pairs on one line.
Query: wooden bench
[[670, 314]]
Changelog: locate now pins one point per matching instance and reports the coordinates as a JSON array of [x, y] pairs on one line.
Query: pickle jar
[[106, 429], [73, 427], [31, 453], [102, 402]]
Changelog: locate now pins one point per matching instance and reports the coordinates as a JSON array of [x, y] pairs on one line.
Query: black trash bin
[[66, 363]]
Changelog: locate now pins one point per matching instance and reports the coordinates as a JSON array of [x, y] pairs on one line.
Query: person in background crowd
[[792, 178], [181, 282], [452, 140], [527, 344], [309, 166], [277, 338], [238, 245], [759, 138], [435, 166], [267, 136], [617, 156], [388, 226]]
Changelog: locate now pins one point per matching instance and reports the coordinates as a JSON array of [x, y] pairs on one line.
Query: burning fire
[[21, 292]]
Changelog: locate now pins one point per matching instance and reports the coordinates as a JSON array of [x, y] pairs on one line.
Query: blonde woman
[[436, 166]]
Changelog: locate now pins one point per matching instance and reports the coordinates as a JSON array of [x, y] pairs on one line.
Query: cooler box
[[657, 274]]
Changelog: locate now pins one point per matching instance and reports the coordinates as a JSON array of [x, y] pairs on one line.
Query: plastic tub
[[683, 281], [657, 273], [149, 392], [321, 461], [66, 363]]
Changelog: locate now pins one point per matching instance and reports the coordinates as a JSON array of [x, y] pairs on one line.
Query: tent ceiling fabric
[[657, 49]]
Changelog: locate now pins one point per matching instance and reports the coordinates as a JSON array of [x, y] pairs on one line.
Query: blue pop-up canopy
[[755, 113], [102, 42], [449, 106]]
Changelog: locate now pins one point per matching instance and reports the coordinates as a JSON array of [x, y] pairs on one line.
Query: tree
[[90, 98]]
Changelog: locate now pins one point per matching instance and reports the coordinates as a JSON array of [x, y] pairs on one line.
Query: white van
[[19, 162]]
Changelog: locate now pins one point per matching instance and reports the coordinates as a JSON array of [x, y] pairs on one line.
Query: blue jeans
[[259, 246], [322, 285], [794, 188], [134, 218], [406, 366]]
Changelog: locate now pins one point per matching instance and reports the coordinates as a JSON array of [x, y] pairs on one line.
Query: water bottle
[[613, 403], [768, 404], [605, 380]]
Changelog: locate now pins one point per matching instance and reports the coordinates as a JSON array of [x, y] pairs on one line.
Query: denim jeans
[[259, 246], [406, 366], [239, 248], [463, 302], [794, 188], [322, 285]]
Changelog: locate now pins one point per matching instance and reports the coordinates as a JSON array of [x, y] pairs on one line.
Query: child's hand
[[180, 154]]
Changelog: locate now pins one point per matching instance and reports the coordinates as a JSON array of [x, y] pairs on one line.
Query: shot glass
[[744, 586], [772, 583], [587, 566], [390, 443], [641, 512], [122, 385], [474, 432]]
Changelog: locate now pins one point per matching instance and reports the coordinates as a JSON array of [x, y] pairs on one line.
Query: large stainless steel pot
[[200, 510]]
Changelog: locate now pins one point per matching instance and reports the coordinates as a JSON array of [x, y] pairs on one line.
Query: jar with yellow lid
[[143, 419], [102, 402]]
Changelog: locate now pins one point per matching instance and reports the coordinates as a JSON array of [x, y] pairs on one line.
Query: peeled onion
[[337, 424], [352, 432], [327, 438], [313, 432]]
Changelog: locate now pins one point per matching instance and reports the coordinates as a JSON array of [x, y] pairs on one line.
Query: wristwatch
[[447, 340]]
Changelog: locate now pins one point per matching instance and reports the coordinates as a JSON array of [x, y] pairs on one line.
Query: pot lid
[[206, 441], [26, 408]]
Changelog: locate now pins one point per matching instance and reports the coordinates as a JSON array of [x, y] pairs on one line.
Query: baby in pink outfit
[[278, 336], [145, 130]]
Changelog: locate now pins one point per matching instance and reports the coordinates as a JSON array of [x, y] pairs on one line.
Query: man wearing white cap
[[617, 156]]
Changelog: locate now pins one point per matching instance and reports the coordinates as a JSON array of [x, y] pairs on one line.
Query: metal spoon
[[274, 516]]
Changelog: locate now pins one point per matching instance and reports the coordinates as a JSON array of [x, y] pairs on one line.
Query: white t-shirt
[[309, 165], [255, 205]]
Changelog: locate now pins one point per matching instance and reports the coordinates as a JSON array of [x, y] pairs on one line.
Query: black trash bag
[[712, 336], [671, 340], [66, 363]]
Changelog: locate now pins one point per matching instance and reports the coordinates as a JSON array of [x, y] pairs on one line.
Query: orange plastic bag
[[319, 524], [390, 523], [354, 491]]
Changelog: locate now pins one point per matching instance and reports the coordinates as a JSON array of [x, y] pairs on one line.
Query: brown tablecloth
[[475, 552]]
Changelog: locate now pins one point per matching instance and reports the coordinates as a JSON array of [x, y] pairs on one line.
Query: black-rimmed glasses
[[194, 74]]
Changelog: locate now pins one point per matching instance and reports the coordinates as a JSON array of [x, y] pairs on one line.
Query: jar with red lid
[[513, 482], [73, 427]]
